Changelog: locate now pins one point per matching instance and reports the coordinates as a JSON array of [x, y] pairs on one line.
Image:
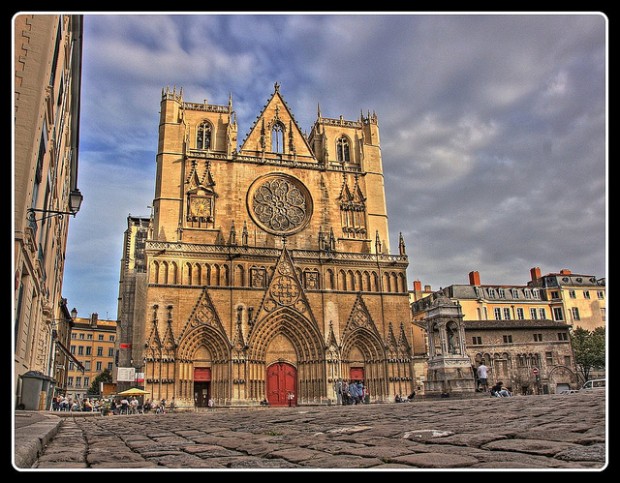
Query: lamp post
[[75, 202]]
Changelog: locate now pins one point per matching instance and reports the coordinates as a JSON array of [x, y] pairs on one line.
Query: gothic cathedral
[[269, 274]]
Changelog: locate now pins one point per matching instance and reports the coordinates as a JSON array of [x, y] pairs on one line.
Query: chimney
[[417, 286], [565, 271], [93, 319], [474, 278], [427, 288], [535, 273]]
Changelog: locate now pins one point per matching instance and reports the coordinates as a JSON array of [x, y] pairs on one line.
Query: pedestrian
[[482, 372], [338, 390], [500, 391], [290, 398]]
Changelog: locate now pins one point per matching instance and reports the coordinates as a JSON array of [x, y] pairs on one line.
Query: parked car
[[593, 385]]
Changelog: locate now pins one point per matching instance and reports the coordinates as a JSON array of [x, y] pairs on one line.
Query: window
[[109, 366], [600, 294], [527, 293], [567, 361], [533, 314], [70, 381], [549, 357], [98, 366], [515, 293], [78, 381], [81, 336], [557, 313], [572, 294], [100, 337], [87, 366], [203, 136], [73, 336], [342, 150], [575, 312], [535, 293], [71, 366], [498, 313], [99, 351], [476, 340], [537, 337], [562, 336], [492, 293], [507, 339], [542, 314], [555, 295], [90, 337], [507, 314], [80, 350], [586, 294], [72, 349], [111, 338], [520, 314], [501, 293], [277, 138], [111, 352], [89, 350], [86, 381]]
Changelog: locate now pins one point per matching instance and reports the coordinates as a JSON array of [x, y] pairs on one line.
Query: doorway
[[202, 386], [281, 381]]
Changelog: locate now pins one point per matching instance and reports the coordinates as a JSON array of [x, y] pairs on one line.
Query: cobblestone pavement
[[547, 432]]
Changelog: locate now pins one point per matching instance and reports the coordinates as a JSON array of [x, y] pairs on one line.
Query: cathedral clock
[[200, 207]]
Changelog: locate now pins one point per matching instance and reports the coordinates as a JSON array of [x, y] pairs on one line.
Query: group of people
[[498, 390], [351, 392], [67, 403], [401, 399]]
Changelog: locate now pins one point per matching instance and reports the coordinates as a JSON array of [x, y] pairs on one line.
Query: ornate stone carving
[[279, 204]]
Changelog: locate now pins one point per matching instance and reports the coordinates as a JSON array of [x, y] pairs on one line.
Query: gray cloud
[[492, 127]]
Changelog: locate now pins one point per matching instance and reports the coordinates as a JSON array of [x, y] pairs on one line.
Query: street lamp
[[75, 201]]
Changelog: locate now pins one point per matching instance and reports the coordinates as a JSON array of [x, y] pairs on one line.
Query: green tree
[[589, 350], [105, 376]]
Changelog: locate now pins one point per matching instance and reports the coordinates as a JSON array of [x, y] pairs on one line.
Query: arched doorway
[[281, 380]]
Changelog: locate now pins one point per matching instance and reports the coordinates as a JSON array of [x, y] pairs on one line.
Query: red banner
[[125, 345]]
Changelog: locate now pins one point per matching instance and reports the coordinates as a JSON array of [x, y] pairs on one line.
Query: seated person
[[498, 390]]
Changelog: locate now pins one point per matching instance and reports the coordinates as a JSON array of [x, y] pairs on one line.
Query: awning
[[70, 356]]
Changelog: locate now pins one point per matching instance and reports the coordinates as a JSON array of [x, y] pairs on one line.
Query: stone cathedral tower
[[268, 264]]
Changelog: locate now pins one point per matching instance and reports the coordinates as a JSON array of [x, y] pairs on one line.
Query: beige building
[[132, 293], [513, 329], [269, 270], [93, 344], [578, 300], [47, 71]]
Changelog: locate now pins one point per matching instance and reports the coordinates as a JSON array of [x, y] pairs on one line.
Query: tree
[[105, 376], [589, 350]]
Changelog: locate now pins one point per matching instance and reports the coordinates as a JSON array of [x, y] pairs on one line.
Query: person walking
[[482, 372]]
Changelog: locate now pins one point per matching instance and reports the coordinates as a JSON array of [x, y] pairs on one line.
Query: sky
[[493, 128]]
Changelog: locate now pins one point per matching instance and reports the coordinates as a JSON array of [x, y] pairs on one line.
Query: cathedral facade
[[268, 266]]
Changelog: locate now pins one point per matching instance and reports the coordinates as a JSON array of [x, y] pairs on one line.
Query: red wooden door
[[281, 380], [356, 374]]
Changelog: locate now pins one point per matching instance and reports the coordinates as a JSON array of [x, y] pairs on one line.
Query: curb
[[29, 441]]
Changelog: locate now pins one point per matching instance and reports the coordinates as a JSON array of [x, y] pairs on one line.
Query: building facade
[[47, 81], [511, 328], [269, 270], [132, 292], [93, 344], [578, 300]]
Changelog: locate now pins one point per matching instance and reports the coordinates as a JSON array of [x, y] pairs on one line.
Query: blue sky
[[493, 128]]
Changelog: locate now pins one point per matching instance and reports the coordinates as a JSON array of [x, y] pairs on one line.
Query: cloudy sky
[[493, 128]]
